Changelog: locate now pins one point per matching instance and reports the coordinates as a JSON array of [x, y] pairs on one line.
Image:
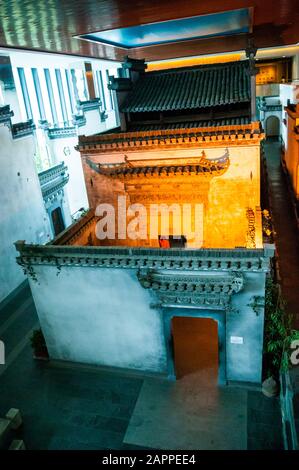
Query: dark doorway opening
[[195, 344], [172, 241], [272, 127], [57, 220]]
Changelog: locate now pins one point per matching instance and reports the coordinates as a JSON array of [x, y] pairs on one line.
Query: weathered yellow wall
[[231, 201], [86, 237]]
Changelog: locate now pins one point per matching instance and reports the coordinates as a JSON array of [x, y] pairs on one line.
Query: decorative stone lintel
[[195, 301], [53, 180], [257, 304], [187, 283], [183, 289]]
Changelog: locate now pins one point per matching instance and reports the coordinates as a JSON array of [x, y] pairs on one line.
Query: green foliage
[[38, 343], [84, 212], [278, 333], [267, 226]]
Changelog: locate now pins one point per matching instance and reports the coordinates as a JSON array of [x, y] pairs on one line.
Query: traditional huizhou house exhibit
[[189, 147]]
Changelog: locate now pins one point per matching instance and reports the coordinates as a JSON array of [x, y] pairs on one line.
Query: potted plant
[[268, 231], [278, 335], [38, 343]]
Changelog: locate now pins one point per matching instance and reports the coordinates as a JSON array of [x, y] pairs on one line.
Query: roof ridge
[[196, 67]]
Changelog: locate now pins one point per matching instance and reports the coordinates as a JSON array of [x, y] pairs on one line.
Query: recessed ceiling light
[[182, 29]]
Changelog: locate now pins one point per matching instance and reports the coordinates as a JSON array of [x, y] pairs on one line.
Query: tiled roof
[[190, 88], [246, 133], [127, 170], [190, 125]]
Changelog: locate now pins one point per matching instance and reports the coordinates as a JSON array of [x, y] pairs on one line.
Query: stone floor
[[66, 407], [191, 413]]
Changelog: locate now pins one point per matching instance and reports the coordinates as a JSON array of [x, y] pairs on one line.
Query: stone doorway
[[57, 220], [195, 347], [195, 341], [272, 127]]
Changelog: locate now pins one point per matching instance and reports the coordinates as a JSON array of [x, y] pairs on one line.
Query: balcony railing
[[21, 129], [61, 130], [5, 113]]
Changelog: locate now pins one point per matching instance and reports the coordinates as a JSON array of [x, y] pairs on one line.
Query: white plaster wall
[[270, 89], [22, 214], [272, 100], [66, 210], [286, 92], [102, 316], [295, 67], [111, 120], [244, 361], [99, 316], [75, 190], [93, 123], [29, 59], [60, 147], [11, 98]]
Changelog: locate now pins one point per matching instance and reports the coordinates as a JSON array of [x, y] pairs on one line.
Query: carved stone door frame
[[218, 315]]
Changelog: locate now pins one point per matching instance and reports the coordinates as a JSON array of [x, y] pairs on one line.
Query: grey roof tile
[[190, 88]]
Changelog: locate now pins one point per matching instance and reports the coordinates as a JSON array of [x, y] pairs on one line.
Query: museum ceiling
[[116, 28]]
